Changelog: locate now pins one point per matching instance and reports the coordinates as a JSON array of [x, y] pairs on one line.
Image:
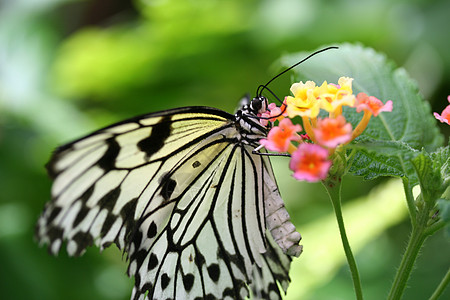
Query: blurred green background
[[70, 67]]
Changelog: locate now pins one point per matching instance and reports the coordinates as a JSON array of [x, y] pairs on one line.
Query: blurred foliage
[[69, 67]]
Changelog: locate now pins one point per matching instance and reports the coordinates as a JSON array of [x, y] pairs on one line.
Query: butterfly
[[182, 192], [187, 193]]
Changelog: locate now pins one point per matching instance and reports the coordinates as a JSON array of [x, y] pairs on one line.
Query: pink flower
[[310, 162], [273, 111], [280, 137], [371, 104], [332, 132], [444, 117]]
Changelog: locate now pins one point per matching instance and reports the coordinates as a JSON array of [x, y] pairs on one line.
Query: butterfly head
[[258, 105], [247, 119]]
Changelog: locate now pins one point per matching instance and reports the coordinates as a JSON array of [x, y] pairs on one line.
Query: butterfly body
[[182, 193]]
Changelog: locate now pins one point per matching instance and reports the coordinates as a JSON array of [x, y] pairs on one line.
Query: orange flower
[[370, 105], [310, 162], [280, 137], [444, 117], [332, 132]]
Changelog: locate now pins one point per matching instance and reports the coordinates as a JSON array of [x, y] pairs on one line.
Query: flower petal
[[310, 162], [332, 132], [280, 137], [372, 104]]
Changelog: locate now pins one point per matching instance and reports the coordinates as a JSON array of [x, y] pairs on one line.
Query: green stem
[[412, 250], [441, 287], [409, 200], [434, 227], [334, 192], [415, 243]]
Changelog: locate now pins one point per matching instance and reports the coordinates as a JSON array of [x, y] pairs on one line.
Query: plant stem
[[441, 287], [334, 192], [415, 243], [409, 200], [412, 250], [434, 227]]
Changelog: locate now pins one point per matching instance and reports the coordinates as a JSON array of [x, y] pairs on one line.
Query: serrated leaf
[[429, 174], [383, 152], [410, 122], [442, 155]]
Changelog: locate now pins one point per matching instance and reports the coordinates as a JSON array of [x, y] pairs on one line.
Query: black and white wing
[[183, 196]]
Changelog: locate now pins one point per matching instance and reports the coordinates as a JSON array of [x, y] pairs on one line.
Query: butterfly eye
[[258, 104]]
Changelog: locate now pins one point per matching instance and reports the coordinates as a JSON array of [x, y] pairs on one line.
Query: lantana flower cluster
[[310, 152]]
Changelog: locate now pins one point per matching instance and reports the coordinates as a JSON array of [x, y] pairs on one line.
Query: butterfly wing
[[275, 268], [179, 193]]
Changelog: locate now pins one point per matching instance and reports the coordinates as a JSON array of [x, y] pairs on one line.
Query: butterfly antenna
[[273, 94], [262, 87]]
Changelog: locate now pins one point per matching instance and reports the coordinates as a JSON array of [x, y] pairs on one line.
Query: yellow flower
[[304, 103], [332, 97]]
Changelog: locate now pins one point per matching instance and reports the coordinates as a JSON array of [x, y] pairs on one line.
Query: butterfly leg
[[256, 151]]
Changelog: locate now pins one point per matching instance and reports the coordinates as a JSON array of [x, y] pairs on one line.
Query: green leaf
[[384, 153], [432, 171], [444, 213], [410, 124], [442, 156], [429, 175]]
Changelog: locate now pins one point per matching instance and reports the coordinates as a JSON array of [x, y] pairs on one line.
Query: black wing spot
[[137, 278], [107, 224], [106, 245], [153, 143], [87, 194], [55, 233], [127, 213], [152, 230], [199, 260], [81, 215], [146, 287], [55, 211], [214, 272], [140, 256], [83, 240], [167, 186], [152, 262], [188, 281], [108, 201], [137, 239], [273, 287], [108, 160], [165, 279], [229, 292], [196, 164]]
